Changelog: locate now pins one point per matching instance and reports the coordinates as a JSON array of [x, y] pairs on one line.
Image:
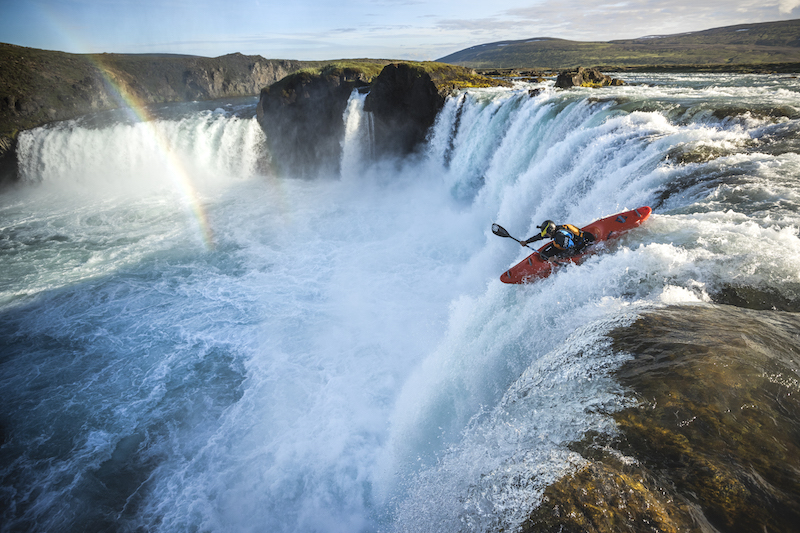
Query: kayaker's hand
[[524, 243]]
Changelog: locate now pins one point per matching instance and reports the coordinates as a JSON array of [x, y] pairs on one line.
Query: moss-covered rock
[[714, 442], [585, 77], [607, 497]]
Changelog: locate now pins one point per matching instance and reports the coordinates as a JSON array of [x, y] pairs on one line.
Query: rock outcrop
[[406, 97], [404, 102], [714, 442], [302, 114], [302, 117], [585, 77], [8, 159]]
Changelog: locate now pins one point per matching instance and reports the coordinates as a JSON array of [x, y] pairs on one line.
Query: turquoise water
[[190, 343]]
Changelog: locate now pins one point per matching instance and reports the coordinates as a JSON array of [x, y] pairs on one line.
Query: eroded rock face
[[404, 101], [41, 86], [714, 442], [302, 117]]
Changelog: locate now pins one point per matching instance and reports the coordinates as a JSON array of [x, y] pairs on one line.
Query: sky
[[386, 29]]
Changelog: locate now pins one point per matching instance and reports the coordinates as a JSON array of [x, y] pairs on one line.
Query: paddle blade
[[499, 230]]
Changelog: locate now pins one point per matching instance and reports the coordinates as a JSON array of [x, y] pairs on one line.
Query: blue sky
[[323, 29]]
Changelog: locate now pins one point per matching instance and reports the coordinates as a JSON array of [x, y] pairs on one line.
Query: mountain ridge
[[742, 44]]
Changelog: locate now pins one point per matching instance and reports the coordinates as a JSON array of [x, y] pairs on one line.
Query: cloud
[[589, 20], [593, 20], [787, 6], [473, 25]]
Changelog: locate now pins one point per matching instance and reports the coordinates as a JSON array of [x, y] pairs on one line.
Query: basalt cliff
[[300, 107], [302, 114], [40, 86]]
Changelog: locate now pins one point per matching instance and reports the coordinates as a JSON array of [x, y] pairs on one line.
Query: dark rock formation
[[302, 114], [584, 77], [302, 117], [714, 444], [8, 160], [406, 97], [404, 101]]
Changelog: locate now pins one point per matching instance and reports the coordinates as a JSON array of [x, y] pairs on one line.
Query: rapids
[[188, 343]]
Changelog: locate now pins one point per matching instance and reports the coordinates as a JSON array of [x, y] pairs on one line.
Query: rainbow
[[60, 22], [181, 179]]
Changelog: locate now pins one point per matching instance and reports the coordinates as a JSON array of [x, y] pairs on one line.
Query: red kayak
[[533, 267]]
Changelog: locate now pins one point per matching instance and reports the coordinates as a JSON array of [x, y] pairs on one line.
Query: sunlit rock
[[714, 441]]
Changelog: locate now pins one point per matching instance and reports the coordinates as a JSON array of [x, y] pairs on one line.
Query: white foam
[[346, 358]]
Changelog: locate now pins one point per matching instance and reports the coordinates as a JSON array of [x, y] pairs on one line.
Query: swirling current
[[189, 343]]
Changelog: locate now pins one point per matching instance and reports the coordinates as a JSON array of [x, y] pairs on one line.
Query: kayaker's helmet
[[548, 227]]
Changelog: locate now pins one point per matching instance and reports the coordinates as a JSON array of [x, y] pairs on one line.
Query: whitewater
[[191, 343]]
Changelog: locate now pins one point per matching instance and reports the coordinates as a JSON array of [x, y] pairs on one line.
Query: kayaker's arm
[[535, 238]]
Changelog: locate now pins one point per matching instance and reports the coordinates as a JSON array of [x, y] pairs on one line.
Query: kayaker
[[567, 240]]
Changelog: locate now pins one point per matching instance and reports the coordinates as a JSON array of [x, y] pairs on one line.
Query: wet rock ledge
[[714, 442]]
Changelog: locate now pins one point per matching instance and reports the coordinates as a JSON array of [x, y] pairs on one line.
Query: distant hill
[[745, 44]]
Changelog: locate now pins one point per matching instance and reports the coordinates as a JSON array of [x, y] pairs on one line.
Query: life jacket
[[567, 237]]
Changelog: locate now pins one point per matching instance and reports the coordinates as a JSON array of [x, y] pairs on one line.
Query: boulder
[[406, 97], [302, 118], [585, 77], [404, 101]]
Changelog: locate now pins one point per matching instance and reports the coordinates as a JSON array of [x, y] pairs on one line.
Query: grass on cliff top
[[556, 54], [454, 76], [31, 74], [367, 68], [443, 76]]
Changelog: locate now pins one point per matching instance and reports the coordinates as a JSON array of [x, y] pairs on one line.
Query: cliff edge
[[41, 86]]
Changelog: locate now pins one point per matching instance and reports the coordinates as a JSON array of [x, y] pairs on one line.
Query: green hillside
[[766, 43]]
